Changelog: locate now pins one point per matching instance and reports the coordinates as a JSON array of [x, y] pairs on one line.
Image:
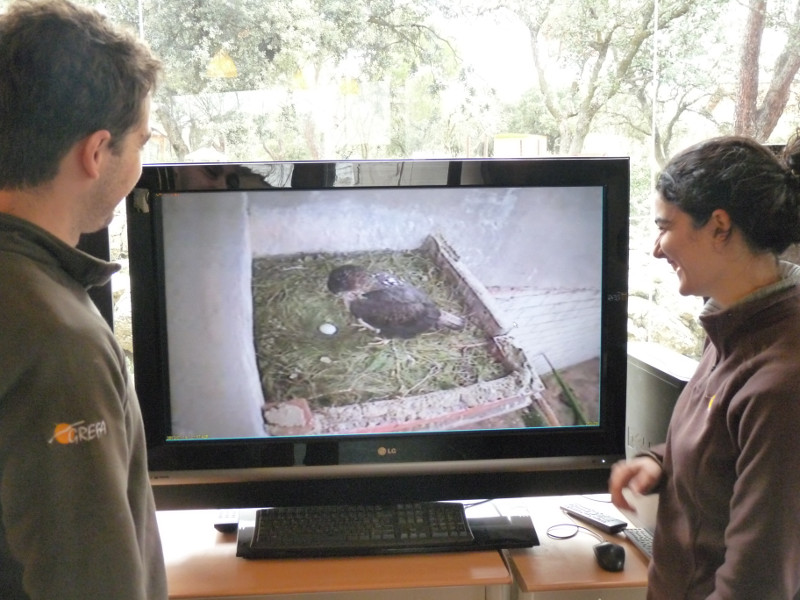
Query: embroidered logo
[[78, 432]]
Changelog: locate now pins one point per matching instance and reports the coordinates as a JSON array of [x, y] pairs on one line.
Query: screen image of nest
[[394, 340], [388, 310]]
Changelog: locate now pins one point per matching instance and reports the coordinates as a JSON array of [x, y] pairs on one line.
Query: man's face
[[120, 173]]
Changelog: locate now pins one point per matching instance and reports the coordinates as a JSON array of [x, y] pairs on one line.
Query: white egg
[[327, 328]]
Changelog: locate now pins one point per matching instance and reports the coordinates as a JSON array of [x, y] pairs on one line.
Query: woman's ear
[[96, 147], [722, 225]]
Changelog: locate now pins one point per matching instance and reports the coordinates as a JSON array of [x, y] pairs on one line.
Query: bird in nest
[[388, 305]]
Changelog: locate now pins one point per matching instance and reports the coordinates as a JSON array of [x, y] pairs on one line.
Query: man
[[77, 518]]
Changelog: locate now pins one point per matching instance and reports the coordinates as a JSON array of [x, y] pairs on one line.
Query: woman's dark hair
[[66, 73], [758, 188]]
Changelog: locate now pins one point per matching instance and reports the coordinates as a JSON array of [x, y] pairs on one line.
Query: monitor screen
[[379, 330]]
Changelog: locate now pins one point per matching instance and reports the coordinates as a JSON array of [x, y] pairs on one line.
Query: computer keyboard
[[642, 539], [358, 530]]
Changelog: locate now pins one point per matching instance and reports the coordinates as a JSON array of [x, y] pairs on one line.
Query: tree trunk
[[786, 67], [744, 117], [750, 118], [164, 112]]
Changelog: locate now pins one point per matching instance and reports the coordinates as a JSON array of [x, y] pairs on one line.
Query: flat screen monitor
[[379, 331]]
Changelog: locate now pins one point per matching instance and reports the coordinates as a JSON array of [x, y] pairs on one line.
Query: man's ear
[[96, 147], [723, 226]]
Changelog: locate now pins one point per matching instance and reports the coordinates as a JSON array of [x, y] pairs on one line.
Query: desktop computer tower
[[656, 377]]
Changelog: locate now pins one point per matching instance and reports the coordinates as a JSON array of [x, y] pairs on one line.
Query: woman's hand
[[640, 475]]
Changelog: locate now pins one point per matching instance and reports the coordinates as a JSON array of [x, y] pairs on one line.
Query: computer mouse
[[610, 556]]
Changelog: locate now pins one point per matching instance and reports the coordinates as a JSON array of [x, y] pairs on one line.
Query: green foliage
[[530, 115], [594, 68]]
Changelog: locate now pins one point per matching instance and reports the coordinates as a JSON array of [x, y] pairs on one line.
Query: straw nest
[[308, 346]]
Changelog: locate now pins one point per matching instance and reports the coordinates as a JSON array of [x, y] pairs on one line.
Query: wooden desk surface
[[570, 564], [202, 562]]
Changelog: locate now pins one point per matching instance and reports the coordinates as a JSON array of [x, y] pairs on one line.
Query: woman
[[729, 473]]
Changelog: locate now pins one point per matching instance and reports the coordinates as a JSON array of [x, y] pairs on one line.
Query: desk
[[566, 569], [202, 563]]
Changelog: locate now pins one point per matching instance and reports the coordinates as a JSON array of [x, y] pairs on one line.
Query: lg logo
[[383, 451]]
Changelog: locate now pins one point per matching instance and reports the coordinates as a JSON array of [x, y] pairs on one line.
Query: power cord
[[571, 531]]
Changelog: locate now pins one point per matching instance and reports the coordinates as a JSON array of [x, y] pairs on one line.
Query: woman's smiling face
[[688, 249]]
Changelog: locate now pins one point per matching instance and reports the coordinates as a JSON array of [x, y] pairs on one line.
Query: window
[[249, 80]]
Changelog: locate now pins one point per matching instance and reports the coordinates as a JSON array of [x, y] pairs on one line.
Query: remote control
[[595, 518], [227, 521]]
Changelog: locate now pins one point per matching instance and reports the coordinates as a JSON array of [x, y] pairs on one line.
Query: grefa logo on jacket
[[78, 432]]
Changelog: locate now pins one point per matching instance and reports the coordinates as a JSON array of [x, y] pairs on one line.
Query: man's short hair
[[67, 72]]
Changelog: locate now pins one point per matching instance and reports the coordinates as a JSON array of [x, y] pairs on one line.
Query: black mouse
[[610, 556]]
